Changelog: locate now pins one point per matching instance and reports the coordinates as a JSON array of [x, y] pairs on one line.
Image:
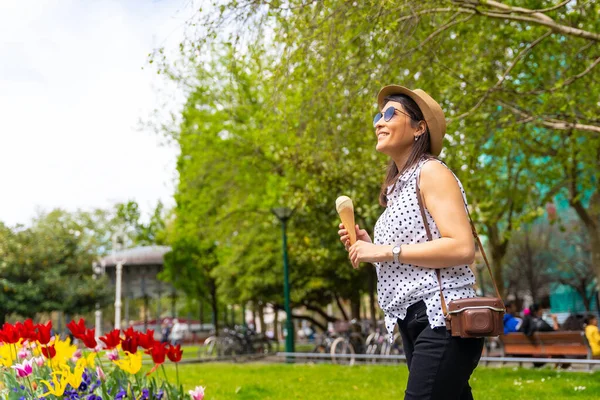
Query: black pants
[[439, 365]]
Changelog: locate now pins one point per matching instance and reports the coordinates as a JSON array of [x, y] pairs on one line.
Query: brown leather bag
[[472, 317]]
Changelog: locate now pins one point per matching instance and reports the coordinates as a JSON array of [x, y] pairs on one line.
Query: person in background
[[176, 332], [592, 334], [165, 332], [535, 323], [511, 323]]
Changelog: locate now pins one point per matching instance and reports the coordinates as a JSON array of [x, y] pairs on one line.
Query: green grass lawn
[[323, 381]]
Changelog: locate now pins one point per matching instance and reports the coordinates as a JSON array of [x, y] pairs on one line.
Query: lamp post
[[284, 214], [98, 268], [118, 245], [480, 268]]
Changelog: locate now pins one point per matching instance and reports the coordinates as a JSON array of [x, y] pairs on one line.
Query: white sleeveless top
[[400, 285]]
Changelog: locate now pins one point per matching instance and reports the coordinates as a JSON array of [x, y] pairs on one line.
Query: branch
[[567, 30], [522, 10], [438, 31], [311, 319], [568, 81], [319, 311], [552, 122], [504, 75]]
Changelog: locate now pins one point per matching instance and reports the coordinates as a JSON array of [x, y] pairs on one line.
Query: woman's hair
[[590, 318], [420, 148]]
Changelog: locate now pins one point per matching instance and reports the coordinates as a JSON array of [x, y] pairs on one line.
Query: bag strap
[[430, 238]]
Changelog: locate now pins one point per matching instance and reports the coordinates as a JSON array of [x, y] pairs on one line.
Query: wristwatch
[[396, 250]]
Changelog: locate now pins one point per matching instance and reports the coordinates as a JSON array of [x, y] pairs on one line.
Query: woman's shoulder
[[434, 170]]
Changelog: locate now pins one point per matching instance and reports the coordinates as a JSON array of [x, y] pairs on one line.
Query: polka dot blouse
[[400, 285]]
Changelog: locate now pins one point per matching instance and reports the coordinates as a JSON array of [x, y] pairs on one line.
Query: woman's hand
[[361, 234], [362, 251]]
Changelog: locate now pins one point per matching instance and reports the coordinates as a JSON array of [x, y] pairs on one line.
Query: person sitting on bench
[[592, 334], [511, 323], [535, 323]]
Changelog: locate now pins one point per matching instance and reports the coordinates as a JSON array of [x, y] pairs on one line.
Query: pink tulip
[[23, 353], [77, 355], [100, 373], [197, 393], [113, 355], [24, 369], [38, 360]]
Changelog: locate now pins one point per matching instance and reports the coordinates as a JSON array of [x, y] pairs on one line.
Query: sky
[[74, 85]]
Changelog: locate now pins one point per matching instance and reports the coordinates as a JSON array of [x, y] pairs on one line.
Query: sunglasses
[[387, 115]]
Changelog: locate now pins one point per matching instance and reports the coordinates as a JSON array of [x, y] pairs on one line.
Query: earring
[[417, 138]]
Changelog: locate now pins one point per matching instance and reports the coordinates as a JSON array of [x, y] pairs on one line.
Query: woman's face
[[396, 135]]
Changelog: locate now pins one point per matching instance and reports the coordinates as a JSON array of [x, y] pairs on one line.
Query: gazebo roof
[[143, 255]]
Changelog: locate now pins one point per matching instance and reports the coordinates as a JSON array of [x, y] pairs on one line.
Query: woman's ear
[[421, 128]]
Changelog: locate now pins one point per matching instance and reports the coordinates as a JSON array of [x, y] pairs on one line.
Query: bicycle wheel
[[341, 346], [210, 347]]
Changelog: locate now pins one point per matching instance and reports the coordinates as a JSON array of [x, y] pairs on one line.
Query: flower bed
[[35, 364]]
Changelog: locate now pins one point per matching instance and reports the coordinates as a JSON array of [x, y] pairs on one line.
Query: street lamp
[[118, 245], [480, 268], [98, 268], [284, 214]]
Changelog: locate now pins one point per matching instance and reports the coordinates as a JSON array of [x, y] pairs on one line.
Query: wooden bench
[[567, 344]]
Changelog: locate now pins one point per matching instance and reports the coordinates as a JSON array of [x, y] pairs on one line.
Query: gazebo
[[140, 268]]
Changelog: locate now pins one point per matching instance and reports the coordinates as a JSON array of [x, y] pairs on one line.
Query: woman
[[410, 130]]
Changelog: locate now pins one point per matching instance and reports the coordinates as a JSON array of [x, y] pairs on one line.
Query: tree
[[574, 267], [282, 118], [530, 262], [36, 262]]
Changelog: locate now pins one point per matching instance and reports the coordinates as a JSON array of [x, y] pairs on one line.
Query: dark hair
[[421, 147], [534, 308], [590, 318]]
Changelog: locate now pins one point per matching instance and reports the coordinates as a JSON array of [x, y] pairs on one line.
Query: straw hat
[[434, 116]]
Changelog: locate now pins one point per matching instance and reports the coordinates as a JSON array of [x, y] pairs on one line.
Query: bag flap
[[487, 302]]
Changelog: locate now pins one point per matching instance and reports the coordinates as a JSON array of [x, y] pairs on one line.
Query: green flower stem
[[162, 366], [101, 366], [30, 387], [177, 373]]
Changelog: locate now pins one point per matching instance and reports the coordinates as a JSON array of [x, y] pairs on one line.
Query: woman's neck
[[401, 159]]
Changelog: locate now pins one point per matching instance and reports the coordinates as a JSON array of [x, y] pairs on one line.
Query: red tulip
[[130, 332], [158, 352], [9, 334], [77, 329], [174, 353], [111, 339], [130, 344], [146, 340], [27, 330], [89, 338], [48, 351], [43, 335]]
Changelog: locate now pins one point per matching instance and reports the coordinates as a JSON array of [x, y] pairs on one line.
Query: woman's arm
[[443, 198]]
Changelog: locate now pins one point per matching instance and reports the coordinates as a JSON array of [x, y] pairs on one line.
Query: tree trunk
[[372, 279], [355, 306], [497, 271], [498, 247], [595, 242], [341, 307], [214, 306], [261, 318], [275, 325], [2, 318]]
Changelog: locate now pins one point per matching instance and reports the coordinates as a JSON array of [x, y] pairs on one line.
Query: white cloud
[[72, 91]]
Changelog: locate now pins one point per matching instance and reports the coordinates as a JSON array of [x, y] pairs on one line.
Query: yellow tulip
[[64, 351], [7, 355], [76, 377], [132, 363], [57, 387]]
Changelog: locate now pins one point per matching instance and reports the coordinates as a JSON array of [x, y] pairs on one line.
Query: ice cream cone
[[345, 209]]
